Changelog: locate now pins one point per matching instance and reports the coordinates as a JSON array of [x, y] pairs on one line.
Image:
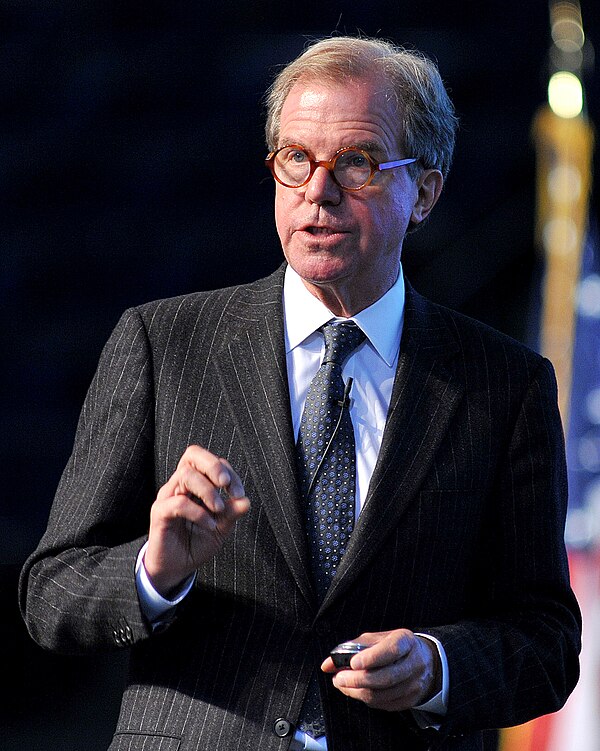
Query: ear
[[429, 184]]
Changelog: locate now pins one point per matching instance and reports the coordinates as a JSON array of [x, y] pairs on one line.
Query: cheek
[[282, 214], [383, 218], [384, 222], [403, 199], [385, 231], [397, 215]]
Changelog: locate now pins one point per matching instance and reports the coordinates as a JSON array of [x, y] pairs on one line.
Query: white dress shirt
[[372, 366]]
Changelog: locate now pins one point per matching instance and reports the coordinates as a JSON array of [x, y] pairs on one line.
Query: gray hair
[[426, 120]]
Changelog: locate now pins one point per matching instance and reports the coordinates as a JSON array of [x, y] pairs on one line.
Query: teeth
[[321, 231]]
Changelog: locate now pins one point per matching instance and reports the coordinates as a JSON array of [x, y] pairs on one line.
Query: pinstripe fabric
[[461, 534]]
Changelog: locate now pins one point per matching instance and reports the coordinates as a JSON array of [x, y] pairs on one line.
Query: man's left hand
[[398, 671]]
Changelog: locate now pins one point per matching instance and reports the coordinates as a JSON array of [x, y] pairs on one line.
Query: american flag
[[576, 727]]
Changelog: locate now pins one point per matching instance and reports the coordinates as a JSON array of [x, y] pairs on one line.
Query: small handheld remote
[[343, 653]]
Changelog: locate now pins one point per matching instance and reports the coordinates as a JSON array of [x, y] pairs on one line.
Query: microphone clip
[[344, 402]]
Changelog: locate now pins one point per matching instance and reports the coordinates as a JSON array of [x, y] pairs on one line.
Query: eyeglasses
[[351, 168]]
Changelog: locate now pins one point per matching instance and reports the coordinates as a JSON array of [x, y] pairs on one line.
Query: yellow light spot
[[565, 94], [564, 183], [560, 236]]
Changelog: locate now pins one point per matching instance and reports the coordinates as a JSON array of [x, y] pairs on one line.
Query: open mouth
[[322, 231]]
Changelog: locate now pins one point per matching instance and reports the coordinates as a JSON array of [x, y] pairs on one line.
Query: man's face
[[344, 244]]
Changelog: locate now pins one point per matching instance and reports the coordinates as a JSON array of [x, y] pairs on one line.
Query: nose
[[322, 188]]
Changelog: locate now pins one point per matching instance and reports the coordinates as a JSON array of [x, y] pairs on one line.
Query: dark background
[[131, 151]]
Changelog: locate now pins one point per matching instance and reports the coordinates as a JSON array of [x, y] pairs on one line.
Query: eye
[[353, 160], [290, 155], [298, 157], [357, 160]]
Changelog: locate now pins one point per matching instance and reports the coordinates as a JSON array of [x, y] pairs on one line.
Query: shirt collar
[[381, 322]]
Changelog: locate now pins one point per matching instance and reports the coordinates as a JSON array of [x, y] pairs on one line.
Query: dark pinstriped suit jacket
[[461, 535]]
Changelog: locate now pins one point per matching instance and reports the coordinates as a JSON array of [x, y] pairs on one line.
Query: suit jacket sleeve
[[517, 656], [78, 588]]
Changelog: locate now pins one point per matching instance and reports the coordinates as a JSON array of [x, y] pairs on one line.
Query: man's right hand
[[191, 518]]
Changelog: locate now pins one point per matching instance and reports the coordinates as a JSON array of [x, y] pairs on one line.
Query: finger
[[380, 678], [201, 488], [194, 510], [235, 488], [395, 699], [169, 489], [327, 666], [235, 508], [188, 480], [394, 646], [397, 682], [372, 695], [181, 506], [217, 470]]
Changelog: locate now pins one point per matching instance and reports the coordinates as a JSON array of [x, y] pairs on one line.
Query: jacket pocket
[[125, 741]]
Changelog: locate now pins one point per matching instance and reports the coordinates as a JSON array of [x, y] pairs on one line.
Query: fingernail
[[224, 478]]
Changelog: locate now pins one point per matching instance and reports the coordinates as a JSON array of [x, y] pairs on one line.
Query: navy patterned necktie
[[326, 456]]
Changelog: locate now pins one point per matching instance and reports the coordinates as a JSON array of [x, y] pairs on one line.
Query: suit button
[[282, 728]]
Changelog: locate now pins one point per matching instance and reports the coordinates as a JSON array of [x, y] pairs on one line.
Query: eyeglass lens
[[351, 168]]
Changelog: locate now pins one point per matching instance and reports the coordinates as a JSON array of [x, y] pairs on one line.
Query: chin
[[320, 270]]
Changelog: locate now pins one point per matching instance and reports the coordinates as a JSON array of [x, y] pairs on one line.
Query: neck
[[345, 300]]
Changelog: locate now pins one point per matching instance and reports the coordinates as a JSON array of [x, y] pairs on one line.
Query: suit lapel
[[426, 392], [252, 367], [425, 395]]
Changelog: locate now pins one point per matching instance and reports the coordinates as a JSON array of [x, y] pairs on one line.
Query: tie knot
[[340, 341]]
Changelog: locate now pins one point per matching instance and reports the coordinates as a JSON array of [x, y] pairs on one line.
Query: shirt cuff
[[155, 607], [437, 705]]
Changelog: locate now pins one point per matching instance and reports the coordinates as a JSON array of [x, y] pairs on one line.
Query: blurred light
[[567, 27], [568, 35], [588, 296], [560, 236], [567, 60], [565, 94], [588, 452], [583, 523], [592, 406], [591, 498], [564, 183]]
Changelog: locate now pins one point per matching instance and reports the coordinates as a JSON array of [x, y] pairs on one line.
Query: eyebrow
[[368, 146]]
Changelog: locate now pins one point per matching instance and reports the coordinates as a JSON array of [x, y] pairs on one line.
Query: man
[[192, 525]]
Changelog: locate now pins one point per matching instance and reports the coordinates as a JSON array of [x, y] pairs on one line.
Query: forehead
[[331, 115]]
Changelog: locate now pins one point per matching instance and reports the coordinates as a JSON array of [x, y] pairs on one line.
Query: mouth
[[319, 231]]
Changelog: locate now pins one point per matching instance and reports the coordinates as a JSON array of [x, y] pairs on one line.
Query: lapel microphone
[[345, 401]]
